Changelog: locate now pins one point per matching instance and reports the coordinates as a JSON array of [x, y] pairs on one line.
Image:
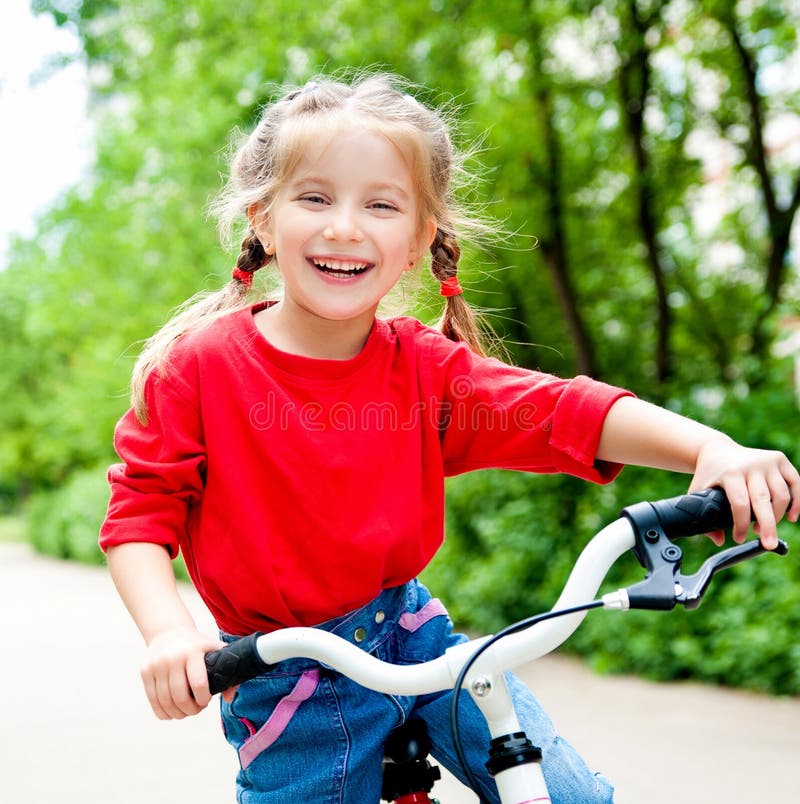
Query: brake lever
[[689, 589], [665, 585]]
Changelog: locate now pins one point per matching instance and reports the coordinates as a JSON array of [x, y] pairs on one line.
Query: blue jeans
[[305, 733]]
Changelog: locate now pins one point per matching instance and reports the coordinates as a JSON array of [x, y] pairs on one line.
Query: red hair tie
[[450, 287], [245, 277]]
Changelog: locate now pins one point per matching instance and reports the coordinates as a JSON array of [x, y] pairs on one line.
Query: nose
[[343, 226]]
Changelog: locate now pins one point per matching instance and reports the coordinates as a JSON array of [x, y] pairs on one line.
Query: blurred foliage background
[[647, 155]]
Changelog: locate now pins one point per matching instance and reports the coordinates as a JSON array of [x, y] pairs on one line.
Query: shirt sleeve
[[494, 415], [161, 471]]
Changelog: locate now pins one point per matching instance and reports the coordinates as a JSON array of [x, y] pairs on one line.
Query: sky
[[45, 136]]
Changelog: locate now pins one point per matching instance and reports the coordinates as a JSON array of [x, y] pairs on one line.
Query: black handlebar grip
[[234, 664], [699, 512], [690, 514]]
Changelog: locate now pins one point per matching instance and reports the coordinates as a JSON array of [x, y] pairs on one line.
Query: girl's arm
[[637, 432], [173, 672]]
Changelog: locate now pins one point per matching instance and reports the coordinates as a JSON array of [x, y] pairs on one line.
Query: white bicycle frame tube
[[519, 785]]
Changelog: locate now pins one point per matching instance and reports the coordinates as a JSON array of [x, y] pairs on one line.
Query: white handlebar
[[440, 674]]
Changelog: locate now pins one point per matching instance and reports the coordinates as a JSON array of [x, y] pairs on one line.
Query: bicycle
[[646, 528]]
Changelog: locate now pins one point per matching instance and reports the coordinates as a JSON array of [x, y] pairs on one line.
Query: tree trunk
[[635, 87], [779, 220], [553, 244]]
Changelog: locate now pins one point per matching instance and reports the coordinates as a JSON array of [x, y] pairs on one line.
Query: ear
[[255, 213], [429, 232], [261, 224]]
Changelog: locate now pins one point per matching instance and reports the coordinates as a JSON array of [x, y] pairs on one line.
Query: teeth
[[341, 265]]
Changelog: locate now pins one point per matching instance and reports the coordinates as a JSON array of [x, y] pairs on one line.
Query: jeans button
[[379, 617], [360, 635]]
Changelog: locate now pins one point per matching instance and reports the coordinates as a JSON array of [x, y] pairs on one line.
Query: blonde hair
[[268, 156]]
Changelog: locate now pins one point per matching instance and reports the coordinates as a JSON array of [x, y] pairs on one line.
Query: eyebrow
[[378, 186], [389, 185]]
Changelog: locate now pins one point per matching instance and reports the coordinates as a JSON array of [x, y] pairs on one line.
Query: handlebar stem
[[492, 697]]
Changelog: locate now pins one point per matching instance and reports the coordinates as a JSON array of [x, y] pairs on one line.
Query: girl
[[295, 450]]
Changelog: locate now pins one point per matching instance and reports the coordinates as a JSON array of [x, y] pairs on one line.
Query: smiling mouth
[[341, 268]]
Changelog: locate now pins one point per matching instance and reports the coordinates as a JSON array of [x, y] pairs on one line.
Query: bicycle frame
[[644, 529]]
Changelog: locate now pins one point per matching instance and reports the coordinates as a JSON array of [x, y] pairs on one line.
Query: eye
[[383, 206], [313, 198]]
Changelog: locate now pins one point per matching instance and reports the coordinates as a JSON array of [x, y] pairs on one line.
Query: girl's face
[[345, 225]]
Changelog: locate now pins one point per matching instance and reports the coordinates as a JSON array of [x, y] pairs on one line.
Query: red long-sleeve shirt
[[297, 489]]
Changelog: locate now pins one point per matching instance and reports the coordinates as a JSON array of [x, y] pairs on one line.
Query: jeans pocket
[[262, 709], [261, 739]]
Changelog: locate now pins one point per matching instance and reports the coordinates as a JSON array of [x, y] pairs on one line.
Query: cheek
[[289, 238]]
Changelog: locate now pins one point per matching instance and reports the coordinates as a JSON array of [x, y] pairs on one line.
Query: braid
[[459, 321], [201, 308], [446, 254], [252, 255]]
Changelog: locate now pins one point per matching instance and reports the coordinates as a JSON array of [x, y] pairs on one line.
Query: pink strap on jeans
[[279, 719], [412, 622]]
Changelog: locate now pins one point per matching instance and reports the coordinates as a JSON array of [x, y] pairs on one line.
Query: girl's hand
[[763, 480], [174, 672]]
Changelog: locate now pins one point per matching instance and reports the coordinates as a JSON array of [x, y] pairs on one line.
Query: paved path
[[75, 727]]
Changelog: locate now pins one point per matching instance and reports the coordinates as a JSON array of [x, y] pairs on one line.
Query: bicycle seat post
[[408, 777]]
